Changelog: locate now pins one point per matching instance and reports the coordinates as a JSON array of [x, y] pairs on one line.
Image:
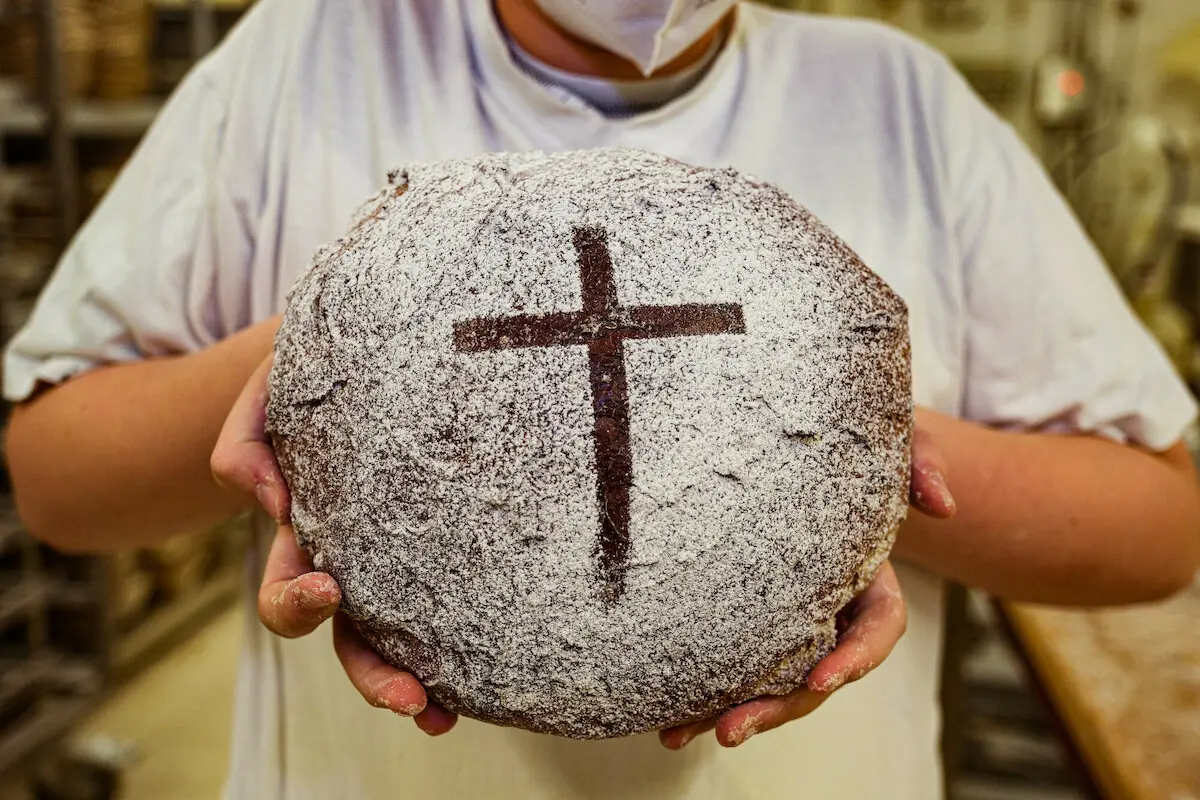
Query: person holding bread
[[1047, 458]]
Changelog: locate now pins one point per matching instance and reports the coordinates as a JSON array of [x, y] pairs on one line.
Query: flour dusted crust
[[453, 493]]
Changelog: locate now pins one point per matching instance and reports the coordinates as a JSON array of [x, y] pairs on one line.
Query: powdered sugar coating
[[452, 495]]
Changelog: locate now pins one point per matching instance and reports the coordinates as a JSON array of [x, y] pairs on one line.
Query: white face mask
[[650, 33]]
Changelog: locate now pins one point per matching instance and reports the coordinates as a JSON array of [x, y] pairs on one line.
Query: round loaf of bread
[[594, 443]]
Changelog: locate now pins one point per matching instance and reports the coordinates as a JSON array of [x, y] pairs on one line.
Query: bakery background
[[110, 669]]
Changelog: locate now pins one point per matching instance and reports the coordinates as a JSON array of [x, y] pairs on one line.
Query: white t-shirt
[[269, 146]]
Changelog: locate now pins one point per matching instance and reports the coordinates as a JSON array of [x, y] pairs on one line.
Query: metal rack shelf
[[64, 644], [19, 676], [21, 599], [70, 594], [84, 118], [59, 686], [62, 672], [48, 721]]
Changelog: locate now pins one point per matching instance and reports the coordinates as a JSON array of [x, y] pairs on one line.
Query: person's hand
[[927, 490], [868, 629], [294, 600]]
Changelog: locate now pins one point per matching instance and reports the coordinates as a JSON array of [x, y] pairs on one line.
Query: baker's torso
[[814, 107]]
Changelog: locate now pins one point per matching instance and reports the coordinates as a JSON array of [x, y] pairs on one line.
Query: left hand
[[873, 623]]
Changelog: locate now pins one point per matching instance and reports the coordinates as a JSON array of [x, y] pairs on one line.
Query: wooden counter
[[1126, 683]]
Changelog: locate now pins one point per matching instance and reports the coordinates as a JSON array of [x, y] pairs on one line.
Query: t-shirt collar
[[616, 98], [514, 98]]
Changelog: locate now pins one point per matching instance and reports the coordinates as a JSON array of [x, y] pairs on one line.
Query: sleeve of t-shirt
[[143, 277], [160, 268], [1051, 343]]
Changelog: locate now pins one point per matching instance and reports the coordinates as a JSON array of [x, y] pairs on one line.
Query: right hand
[[293, 599]]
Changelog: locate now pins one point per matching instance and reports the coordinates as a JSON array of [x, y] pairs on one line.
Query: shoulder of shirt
[[262, 39], [830, 39], [876, 64], [879, 75], [277, 34]]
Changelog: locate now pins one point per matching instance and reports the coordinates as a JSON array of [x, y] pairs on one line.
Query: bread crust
[[452, 491]]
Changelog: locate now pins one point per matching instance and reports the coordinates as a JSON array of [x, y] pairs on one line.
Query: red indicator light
[[1071, 82]]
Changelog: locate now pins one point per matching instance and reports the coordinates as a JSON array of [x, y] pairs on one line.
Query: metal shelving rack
[[42, 689], [60, 650]]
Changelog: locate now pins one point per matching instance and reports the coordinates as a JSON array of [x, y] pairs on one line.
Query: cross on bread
[[603, 326]]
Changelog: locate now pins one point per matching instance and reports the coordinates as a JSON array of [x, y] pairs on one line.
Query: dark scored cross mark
[[603, 326]]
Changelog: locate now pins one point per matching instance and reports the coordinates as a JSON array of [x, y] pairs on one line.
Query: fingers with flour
[[678, 737], [878, 619], [380, 684], [292, 599], [435, 720], [737, 725]]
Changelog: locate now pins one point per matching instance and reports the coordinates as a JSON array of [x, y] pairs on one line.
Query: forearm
[[1057, 519], [119, 456]]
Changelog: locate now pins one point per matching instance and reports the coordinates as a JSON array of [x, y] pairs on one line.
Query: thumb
[[928, 492], [243, 460]]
